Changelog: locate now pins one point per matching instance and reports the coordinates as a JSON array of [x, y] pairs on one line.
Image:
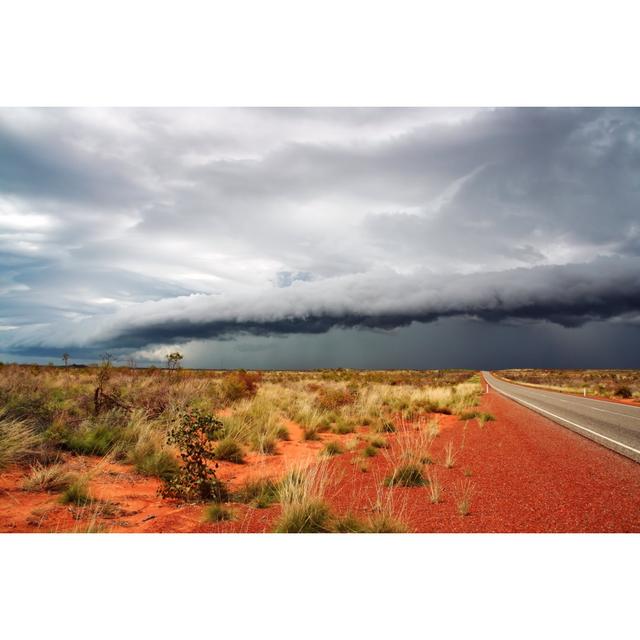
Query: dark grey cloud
[[139, 227]]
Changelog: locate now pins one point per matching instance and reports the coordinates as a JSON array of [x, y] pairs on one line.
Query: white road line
[[574, 424], [580, 399], [569, 402]]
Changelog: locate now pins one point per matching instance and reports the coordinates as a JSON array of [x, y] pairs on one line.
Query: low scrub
[[53, 478], [18, 441]]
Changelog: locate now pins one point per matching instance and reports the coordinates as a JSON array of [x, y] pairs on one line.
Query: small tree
[[195, 438], [173, 360], [65, 358]]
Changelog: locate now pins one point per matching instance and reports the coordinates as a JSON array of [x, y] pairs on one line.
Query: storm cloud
[[129, 228]]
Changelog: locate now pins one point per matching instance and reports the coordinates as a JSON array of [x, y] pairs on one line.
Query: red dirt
[[528, 475]]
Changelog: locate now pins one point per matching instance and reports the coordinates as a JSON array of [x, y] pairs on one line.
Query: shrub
[[194, 436], [332, 448], [239, 384], [229, 450], [264, 444], [17, 441], [623, 392], [406, 475], [329, 398], [217, 513]]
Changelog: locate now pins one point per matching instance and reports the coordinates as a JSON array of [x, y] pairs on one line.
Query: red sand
[[528, 475]]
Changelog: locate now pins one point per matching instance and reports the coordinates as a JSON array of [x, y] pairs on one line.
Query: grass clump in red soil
[[406, 475], [77, 492], [217, 513], [229, 450], [332, 448], [465, 494], [54, 478], [259, 493]]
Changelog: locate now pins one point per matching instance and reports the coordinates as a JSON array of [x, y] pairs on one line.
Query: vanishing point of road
[[613, 425]]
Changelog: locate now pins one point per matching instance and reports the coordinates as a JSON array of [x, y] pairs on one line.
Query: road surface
[[611, 424]]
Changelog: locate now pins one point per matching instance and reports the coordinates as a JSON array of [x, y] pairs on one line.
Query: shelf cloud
[[127, 228]]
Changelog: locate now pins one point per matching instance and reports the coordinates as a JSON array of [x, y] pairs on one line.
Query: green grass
[[160, 464], [77, 493], [228, 449], [342, 428], [349, 524], [217, 513], [309, 516], [260, 493], [406, 475]]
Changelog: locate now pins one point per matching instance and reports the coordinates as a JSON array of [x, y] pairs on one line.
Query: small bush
[[332, 448], [329, 398], [406, 475], [239, 384], [194, 436], [623, 392], [229, 450], [217, 513]]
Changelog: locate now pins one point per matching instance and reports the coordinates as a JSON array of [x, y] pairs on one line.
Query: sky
[[305, 238]]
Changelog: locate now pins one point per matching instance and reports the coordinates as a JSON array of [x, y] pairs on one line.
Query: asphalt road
[[613, 425]]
